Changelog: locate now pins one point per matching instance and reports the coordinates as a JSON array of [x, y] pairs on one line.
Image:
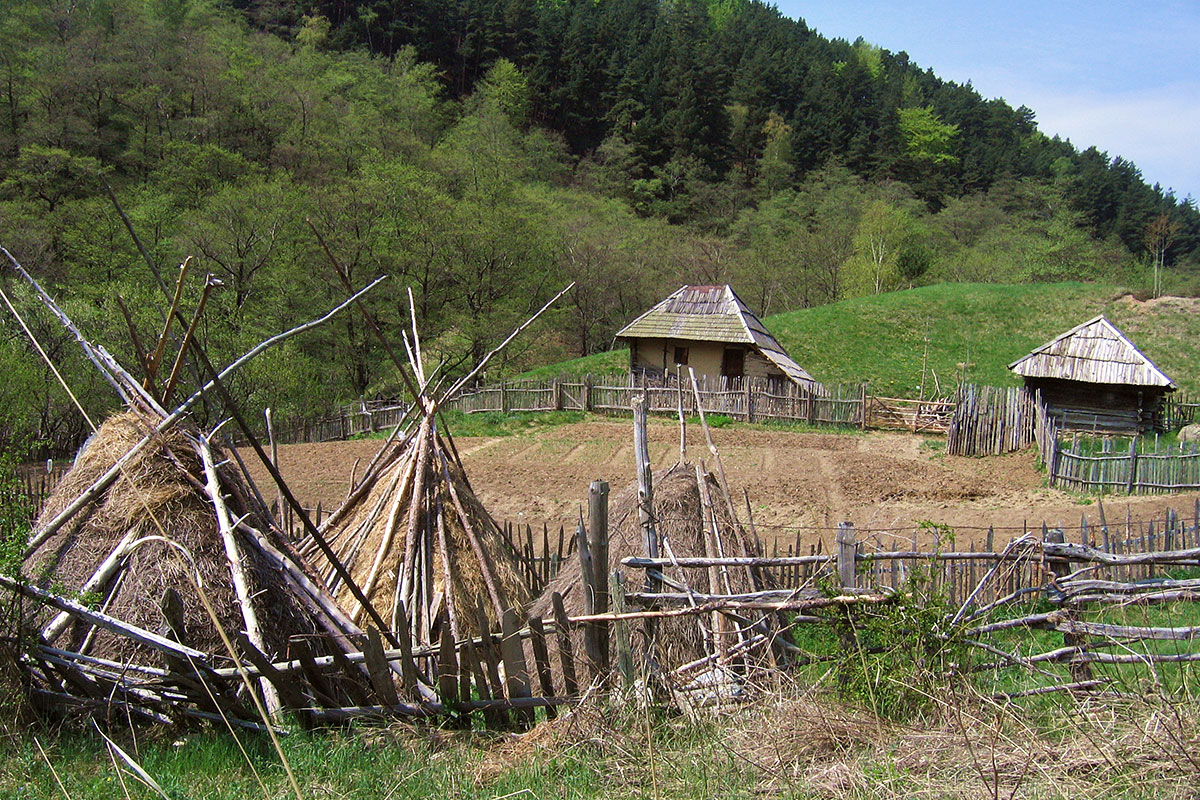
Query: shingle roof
[[712, 314], [1094, 352]]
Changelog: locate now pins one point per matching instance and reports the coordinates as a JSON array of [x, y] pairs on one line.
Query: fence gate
[[896, 413], [573, 396]]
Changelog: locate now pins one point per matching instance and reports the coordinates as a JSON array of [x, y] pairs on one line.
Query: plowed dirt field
[[886, 483]]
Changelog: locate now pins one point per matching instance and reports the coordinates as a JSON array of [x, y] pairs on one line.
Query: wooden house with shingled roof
[[1094, 378], [709, 329]]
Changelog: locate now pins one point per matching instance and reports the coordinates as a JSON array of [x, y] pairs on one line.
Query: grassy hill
[[972, 332]]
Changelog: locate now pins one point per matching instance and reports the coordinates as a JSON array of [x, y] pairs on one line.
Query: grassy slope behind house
[[974, 331]]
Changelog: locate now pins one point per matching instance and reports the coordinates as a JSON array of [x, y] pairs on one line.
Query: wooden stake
[[566, 657], [377, 667], [233, 556], [516, 682], [541, 658]]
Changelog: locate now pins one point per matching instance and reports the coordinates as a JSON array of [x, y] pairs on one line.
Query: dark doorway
[[733, 363]]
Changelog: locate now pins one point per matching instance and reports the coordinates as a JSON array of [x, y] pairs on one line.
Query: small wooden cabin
[[709, 329], [1094, 378]]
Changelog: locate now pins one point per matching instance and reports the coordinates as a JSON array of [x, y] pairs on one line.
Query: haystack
[[163, 566], [160, 493], [683, 524], [419, 543]]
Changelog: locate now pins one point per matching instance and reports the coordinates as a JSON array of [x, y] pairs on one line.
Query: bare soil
[[806, 483]]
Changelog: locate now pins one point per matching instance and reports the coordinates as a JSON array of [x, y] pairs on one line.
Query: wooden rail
[[525, 663], [1092, 465]]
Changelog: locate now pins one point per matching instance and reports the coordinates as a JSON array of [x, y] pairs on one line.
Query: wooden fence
[[1180, 409], [1134, 466], [990, 596], [32, 488], [953, 560], [744, 399], [342, 424], [520, 664], [915, 416], [957, 560], [990, 420]]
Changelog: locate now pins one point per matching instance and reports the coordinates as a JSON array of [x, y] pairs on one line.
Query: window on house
[[681, 356]]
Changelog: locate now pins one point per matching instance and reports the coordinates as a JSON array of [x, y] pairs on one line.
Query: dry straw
[[419, 542], [684, 524], [160, 493]]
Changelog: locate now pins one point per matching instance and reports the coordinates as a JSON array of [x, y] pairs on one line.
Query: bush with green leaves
[[15, 514], [899, 656]]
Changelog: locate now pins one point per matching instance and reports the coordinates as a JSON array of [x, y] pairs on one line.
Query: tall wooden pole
[[598, 535], [641, 450]]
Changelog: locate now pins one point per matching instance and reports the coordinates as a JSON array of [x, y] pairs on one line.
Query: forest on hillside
[[484, 153]]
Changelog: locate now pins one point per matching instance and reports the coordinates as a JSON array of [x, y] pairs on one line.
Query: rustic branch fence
[[990, 420], [522, 664], [1145, 466], [953, 561], [745, 399]]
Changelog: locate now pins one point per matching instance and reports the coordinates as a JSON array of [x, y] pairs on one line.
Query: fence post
[[598, 523], [862, 399], [847, 638], [557, 396], [621, 628], [749, 400], [503, 399], [1132, 482], [587, 582], [587, 392], [1058, 567], [847, 572]]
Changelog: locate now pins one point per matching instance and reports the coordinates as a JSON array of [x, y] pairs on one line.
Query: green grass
[[394, 763], [974, 331], [496, 423], [209, 765], [607, 363], [617, 748]]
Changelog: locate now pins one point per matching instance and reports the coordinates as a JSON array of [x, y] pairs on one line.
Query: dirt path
[[796, 481], [835, 502]]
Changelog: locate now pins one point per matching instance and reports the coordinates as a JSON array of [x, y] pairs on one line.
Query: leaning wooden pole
[[417, 514], [237, 572], [712, 448], [490, 579], [111, 564], [645, 481], [711, 535], [104, 481], [682, 418]]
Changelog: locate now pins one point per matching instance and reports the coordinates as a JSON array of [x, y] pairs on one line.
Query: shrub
[[15, 514]]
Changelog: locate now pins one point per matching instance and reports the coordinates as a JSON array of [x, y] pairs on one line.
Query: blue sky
[[1124, 77]]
